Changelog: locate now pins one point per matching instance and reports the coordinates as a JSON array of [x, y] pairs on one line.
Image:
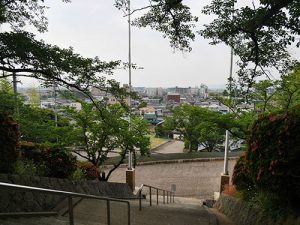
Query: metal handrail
[[70, 196], [170, 195]]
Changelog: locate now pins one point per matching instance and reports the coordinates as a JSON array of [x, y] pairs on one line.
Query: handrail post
[[156, 196], [108, 211], [173, 197], [71, 216], [167, 197], [140, 200], [164, 197], [150, 196]]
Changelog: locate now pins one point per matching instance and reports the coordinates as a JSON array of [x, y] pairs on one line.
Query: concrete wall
[[20, 201]]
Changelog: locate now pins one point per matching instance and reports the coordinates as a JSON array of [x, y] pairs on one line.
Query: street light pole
[[225, 171], [129, 73], [130, 172], [225, 175]]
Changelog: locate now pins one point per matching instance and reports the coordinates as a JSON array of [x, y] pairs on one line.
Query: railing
[[170, 195], [70, 196]]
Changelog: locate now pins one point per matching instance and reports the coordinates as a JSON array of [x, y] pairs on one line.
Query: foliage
[[89, 170], [59, 163], [271, 203], [52, 160], [170, 17], [259, 34], [24, 12], [8, 100], [263, 94], [77, 174], [26, 168], [288, 94], [105, 129], [23, 55], [38, 125], [199, 126], [9, 137], [271, 161], [241, 175], [34, 97], [165, 129], [35, 124], [210, 135]]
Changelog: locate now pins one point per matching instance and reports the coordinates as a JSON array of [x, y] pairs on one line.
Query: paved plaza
[[193, 179]]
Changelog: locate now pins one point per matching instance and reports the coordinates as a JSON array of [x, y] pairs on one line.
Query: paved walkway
[[185, 211], [169, 214], [173, 146], [192, 179]]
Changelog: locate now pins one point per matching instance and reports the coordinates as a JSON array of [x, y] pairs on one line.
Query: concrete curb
[[174, 161]]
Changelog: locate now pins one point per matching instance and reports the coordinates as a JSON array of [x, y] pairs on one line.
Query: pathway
[[173, 146]]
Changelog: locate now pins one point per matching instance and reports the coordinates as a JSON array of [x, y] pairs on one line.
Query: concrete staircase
[[184, 211]]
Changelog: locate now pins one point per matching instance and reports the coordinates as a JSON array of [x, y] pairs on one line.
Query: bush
[[241, 176], [53, 161], [25, 168], [59, 163], [271, 162], [89, 170], [9, 137], [77, 175]]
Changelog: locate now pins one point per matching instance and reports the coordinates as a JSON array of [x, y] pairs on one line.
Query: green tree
[[210, 135], [38, 125], [288, 94], [171, 17], [34, 97], [96, 133], [186, 118], [258, 32], [263, 94], [7, 97], [21, 54]]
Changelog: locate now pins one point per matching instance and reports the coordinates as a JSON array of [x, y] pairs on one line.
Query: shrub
[[25, 168], [52, 161], [272, 159], [58, 163], [9, 137], [241, 176], [77, 175], [89, 170], [230, 190]]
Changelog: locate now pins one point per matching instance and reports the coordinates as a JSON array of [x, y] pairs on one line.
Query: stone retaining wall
[[20, 201], [241, 213]]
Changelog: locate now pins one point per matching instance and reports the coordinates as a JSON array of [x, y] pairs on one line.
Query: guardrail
[[70, 196], [170, 195]]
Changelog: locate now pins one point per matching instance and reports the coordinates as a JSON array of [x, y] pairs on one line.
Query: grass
[[155, 141], [175, 156]]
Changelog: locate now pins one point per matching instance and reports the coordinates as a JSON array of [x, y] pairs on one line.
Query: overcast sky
[[97, 28]]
